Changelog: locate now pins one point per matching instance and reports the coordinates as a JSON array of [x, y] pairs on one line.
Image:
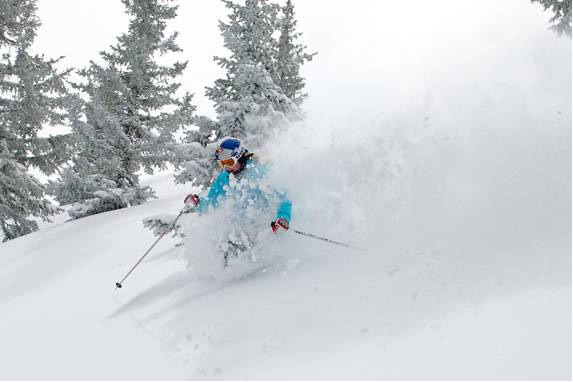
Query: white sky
[[373, 55]]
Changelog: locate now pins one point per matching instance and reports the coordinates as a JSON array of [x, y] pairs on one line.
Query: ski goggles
[[225, 157], [229, 162]]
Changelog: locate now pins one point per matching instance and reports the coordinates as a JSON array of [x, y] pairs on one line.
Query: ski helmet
[[229, 151]]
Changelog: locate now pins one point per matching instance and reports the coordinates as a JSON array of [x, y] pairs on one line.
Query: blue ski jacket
[[249, 188]]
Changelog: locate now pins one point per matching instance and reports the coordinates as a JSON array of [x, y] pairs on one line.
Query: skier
[[242, 179]]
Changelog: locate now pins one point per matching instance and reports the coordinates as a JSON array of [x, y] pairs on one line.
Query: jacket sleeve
[[285, 207], [216, 191]]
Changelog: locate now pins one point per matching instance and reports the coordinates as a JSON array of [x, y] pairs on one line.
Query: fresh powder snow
[[465, 273]]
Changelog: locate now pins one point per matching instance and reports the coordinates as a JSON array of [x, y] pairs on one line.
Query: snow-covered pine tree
[[290, 57], [33, 95], [561, 15], [262, 88], [129, 118], [194, 157], [21, 196], [248, 102]]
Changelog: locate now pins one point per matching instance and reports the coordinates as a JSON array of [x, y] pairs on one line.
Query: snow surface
[[466, 273]]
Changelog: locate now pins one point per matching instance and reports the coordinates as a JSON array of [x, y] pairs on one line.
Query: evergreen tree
[[33, 95], [561, 15], [262, 88], [21, 196], [249, 36], [248, 101], [131, 114], [194, 158], [290, 57]]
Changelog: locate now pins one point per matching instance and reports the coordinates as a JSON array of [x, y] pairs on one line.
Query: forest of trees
[[125, 112]]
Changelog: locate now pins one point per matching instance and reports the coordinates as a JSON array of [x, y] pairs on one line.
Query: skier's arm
[[284, 208], [282, 221], [216, 191]]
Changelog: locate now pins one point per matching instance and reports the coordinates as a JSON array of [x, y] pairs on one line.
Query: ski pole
[[327, 240], [120, 283]]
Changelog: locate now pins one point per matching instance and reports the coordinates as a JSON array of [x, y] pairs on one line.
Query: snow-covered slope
[[466, 273], [449, 163]]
